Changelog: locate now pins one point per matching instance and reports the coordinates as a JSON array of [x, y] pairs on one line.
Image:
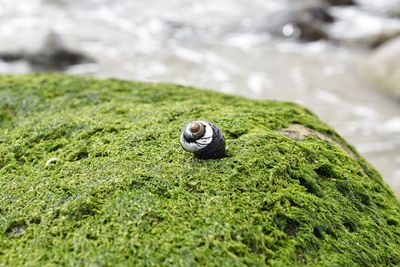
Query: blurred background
[[339, 58]]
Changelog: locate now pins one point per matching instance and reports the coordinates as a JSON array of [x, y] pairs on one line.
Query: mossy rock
[[92, 174]]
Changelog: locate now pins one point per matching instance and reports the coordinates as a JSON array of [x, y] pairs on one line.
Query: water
[[219, 45]]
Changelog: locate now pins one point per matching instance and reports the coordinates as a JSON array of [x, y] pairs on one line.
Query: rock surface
[[341, 2], [339, 23], [92, 173], [383, 67], [305, 23], [52, 56]]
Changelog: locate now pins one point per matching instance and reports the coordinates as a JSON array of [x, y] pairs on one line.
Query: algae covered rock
[[92, 174]]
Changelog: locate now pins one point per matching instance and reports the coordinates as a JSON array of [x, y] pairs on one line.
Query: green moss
[[92, 173]]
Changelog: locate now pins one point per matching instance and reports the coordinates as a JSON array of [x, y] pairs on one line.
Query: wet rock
[[305, 24], [341, 2], [339, 21], [53, 56], [383, 67], [304, 31], [11, 57], [320, 14]]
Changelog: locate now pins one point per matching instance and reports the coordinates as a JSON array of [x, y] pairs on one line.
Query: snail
[[204, 139]]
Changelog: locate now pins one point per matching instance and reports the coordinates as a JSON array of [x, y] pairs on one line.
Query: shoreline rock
[[52, 56], [92, 172]]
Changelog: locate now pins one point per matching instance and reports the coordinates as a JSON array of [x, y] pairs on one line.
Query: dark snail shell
[[204, 139]]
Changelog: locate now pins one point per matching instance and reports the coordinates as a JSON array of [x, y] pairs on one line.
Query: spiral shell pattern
[[204, 139]]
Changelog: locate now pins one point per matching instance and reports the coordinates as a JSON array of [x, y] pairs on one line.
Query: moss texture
[[92, 173]]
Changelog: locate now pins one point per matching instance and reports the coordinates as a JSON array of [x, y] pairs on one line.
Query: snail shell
[[204, 139]]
